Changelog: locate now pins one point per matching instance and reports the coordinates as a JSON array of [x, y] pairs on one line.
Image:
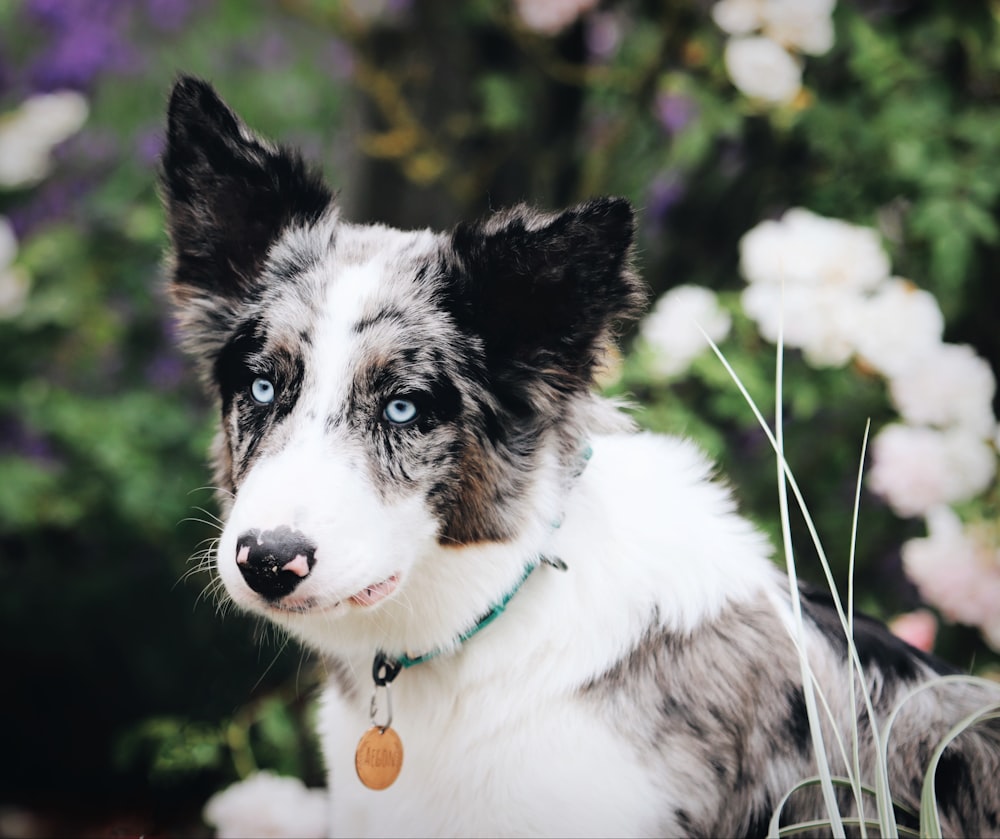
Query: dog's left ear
[[545, 291]]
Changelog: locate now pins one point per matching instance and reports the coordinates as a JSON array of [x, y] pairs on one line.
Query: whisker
[[211, 515], [224, 603], [274, 658], [213, 589], [203, 559], [210, 488], [215, 524]]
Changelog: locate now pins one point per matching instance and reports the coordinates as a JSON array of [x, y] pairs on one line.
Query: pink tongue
[[374, 593]]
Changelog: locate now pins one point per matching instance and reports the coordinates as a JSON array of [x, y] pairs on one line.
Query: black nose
[[274, 562]]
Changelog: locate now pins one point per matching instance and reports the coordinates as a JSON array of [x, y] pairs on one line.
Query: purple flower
[[166, 371], [17, 437], [603, 35], [51, 13], [90, 147], [54, 199], [273, 50], [339, 58], [65, 14], [149, 145], [666, 191], [168, 15], [674, 111], [84, 41]]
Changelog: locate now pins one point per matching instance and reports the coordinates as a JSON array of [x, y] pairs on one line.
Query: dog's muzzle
[[274, 562]]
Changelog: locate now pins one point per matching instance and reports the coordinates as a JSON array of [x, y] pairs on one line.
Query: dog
[[564, 621]]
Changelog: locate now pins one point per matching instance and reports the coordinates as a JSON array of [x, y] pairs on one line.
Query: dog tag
[[379, 757]]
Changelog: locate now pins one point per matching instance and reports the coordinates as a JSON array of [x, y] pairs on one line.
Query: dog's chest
[[482, 764]]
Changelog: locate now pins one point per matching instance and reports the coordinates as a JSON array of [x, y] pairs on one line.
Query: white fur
[[634, 693], [497, 737], [268, 805], [361, 539]]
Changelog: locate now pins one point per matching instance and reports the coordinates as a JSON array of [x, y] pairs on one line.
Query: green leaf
[[503, 106]]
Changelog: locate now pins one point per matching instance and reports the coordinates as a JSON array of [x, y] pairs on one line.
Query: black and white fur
[[403, 417]]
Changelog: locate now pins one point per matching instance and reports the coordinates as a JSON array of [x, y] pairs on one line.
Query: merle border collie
[[580, 633]]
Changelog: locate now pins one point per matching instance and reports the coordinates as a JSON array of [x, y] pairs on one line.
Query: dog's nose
[[274, 562]]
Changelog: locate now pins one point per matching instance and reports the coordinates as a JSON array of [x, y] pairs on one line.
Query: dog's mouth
[[374, 593], [368, 596]]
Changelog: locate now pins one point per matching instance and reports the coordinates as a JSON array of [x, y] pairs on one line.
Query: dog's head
[[386, 397]]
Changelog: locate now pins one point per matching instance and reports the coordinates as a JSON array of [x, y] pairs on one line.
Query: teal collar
[[386, 665], [385, 668]]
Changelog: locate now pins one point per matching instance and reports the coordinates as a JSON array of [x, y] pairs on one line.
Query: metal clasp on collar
[[384, 670], [373, 710]]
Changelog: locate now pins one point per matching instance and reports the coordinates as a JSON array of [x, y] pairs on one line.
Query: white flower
[[552, 16], [812, 271], [838, 300], [738, 17], [918, 469], [804, 25], [762, 252], [28, 135], [13, 281], [8, 244], [807, 248], [266, 804], [672, 328], [762, 69], [897, 326], [958, 571], [950, 385], [817, 320]]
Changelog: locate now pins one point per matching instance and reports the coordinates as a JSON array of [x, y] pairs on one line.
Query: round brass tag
[[379, 757]]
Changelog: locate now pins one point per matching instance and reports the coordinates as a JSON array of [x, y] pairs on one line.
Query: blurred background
[[850, 149]]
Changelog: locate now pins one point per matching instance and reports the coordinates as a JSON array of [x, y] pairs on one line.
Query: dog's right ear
[[228, 194]]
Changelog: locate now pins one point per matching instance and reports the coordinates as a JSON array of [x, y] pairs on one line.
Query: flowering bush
[[675, 330], [552, 16], [793, 161], [823, 286], [829, 281], [957, 568], [814, 277], [764, 66]]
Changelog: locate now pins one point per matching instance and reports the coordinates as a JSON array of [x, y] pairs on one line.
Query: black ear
[[544, 291], [228, 194]]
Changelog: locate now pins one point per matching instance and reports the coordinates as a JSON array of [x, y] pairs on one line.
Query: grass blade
[[930, 821]]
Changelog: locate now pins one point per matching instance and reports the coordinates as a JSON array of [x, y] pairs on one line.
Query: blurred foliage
[[124, 686], [273, 732]]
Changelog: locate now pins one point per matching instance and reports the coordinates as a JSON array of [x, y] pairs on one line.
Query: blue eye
[[262, 390], [400, 411]]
